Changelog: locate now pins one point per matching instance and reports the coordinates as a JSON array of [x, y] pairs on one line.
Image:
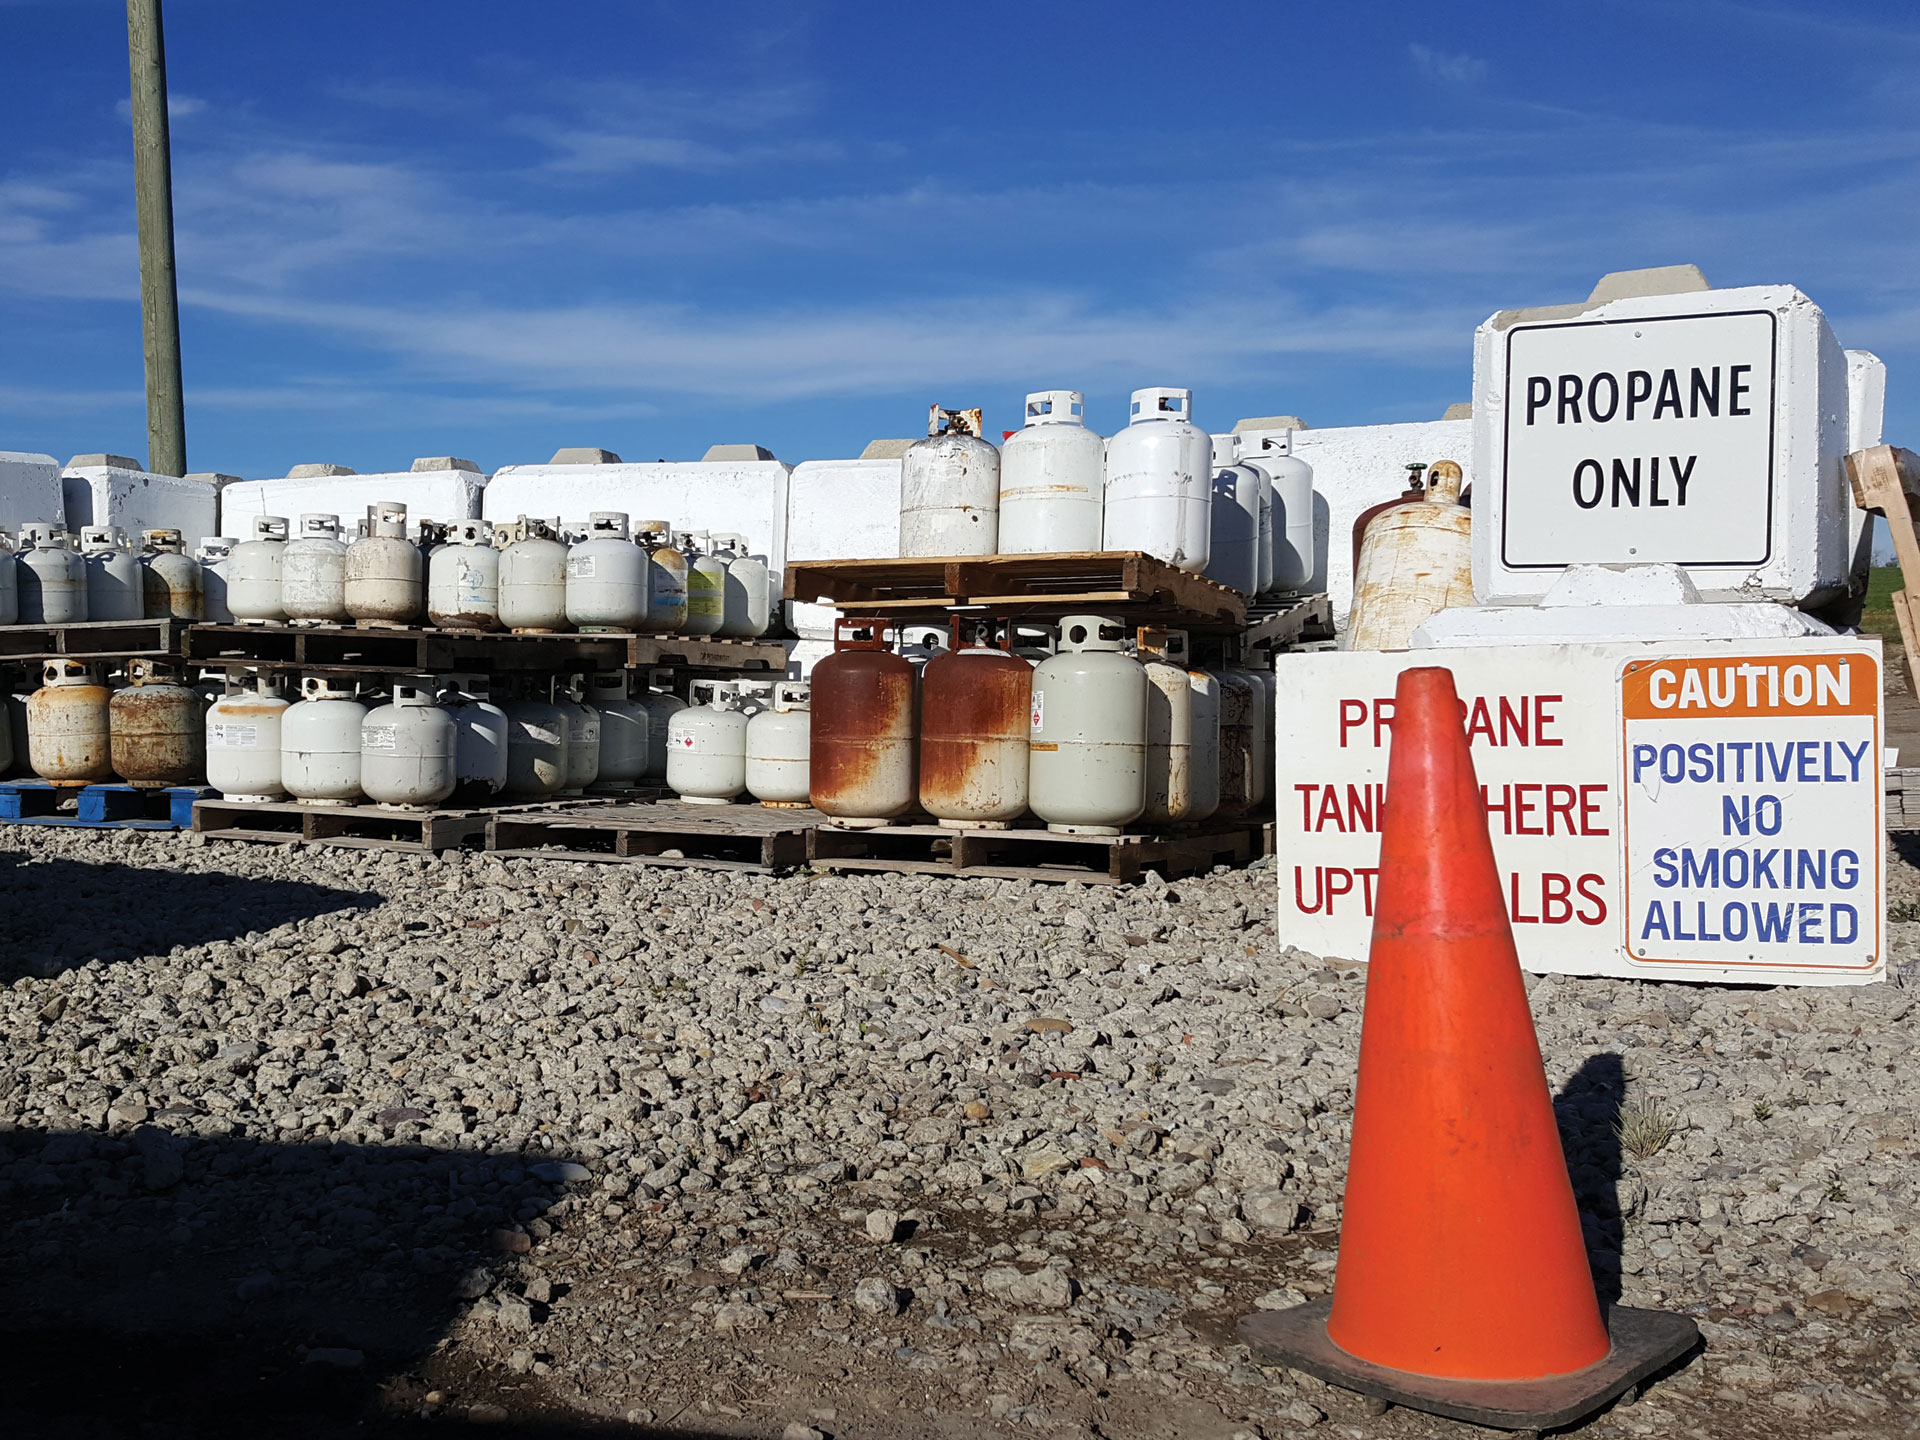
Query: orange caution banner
[[1749, 686]]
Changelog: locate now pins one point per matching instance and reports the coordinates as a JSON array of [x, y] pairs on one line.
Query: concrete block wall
[[429, 491], [113, 490], [745, 497], [29, 489], [840, 510]]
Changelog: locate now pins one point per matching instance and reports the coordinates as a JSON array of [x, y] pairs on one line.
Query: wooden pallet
[[100, 807], [1903, 798], [673, 833], [363, 827], [92, 640], [1298, 620], [1028, 854], [1033, 586], [323, 648]]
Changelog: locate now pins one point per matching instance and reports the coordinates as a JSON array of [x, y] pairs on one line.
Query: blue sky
[[491, 229]]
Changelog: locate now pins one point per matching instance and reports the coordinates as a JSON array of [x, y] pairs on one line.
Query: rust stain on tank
[[861, 741], [975, 714], [1236, 746], [157, 736]]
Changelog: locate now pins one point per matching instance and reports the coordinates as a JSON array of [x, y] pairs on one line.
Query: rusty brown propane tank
[[1415, 561], [1416, 491], [974, 716], [861, 751], [157, 728], [1237, 699]]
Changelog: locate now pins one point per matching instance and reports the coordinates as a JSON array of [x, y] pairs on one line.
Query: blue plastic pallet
[[101, 807]]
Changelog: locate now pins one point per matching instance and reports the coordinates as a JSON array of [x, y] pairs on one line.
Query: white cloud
[[1447, 68], [178, 107]]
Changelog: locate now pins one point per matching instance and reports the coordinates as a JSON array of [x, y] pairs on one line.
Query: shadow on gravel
[[62, 913], [1586, 1109], [178, 1288]]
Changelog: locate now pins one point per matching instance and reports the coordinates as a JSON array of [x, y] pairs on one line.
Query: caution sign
[[1751, 819]]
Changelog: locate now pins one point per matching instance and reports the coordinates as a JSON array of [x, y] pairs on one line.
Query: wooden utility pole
[[153, 190]]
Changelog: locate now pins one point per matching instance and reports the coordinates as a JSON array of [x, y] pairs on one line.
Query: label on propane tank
[[233, 737], [379, 737], [580, 567], [1039, 717]]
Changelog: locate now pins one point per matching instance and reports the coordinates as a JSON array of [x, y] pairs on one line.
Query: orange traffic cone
[[1462, 1286]]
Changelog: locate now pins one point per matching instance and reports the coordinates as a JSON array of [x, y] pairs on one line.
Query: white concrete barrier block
[[840, 510], [29, 489], [431, 494], [1705, 428], [113, 490]]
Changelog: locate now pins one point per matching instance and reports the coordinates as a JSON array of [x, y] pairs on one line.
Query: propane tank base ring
[[1060, 829], [703, 799], [382, 625], [976, 824], [602, 630], [535, 630], [403, 809], [853, 822], [327, 804], [783, 805], [300, 622], [250, 799]]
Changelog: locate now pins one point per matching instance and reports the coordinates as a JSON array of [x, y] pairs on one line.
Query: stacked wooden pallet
[[1903, 798], [1147, 591]]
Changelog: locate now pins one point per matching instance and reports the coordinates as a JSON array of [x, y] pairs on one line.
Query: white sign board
[[1752, 827], [1548, 732], [1640, 443], [1707, 430]]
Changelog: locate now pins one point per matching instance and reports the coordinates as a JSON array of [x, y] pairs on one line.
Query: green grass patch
[[1877, 618]]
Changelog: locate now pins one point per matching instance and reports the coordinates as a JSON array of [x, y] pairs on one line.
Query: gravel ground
[[319, 1137]]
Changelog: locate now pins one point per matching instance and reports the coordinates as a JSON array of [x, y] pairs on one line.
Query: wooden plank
[[1886, 482]]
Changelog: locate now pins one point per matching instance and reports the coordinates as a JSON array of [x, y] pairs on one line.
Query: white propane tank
[[1052, 490], [1234, 541], [9, 582], [536, 744], [624, 727], [747, 604], [313, 572], [707, 745], [1292, 479], [1260, 719], [407, 750], [533, 579], [920, 643], [479, 738], [463, 579], [215, 554], [778, 743], [607, 577], [666, 578], [1183, 733], [69, 724], [243, 738], [386, 576], [320, 743], [1160, 482], [1416, 559], [253, 572], [1239, 698], [583, 735], [950, 488], [661, 706], [1086, 747], [706, 586], [51, 579], [116, 585], [1265, 581]]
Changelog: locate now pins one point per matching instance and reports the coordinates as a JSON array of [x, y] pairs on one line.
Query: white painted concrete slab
[[137, 500], [29, 489], [840, 510], [427, 494]]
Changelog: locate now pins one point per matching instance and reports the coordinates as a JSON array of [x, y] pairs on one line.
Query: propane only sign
[[1639, 441], [1596, 848], [1752, 821]]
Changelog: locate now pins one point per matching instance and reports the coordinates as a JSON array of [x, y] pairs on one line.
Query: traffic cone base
[[1644, 1343], [1462, 1285]]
